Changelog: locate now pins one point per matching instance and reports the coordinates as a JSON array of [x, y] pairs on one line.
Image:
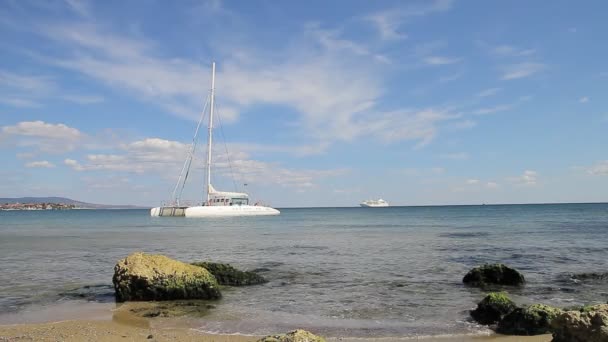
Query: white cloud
[[439, 60], [529, 177], [472, 181], [307, 80], [599, 169], [521, 70], [43, 136], [584, 99], [165, 158], [42, 129], [488, 92], [40, 164]]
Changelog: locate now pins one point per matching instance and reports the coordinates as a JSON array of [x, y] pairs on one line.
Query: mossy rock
[[533, 320], [493, 308], [144, 277], [293, 336], [590, 325], [230, 276], [498, 274]]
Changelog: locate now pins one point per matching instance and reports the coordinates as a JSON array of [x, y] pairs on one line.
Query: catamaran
[[217, 203]]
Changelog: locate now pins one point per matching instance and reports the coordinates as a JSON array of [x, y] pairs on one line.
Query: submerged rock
[[293, 336], [498, 274], [493, 308], [192, 308], [156, 277], [594, 276], [590, 325], [228, 275], [533, 320]]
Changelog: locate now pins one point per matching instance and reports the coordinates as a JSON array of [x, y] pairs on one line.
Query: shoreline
[[106, 322]]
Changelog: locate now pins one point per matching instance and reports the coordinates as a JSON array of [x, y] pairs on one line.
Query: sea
[[350, 272]]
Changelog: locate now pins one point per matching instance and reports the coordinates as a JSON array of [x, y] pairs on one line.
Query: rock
[[577, 326], [177, 308], [533, 320], [493, 308], [593, 276], [228, 275], [293, 336], [498, 274], [156, 277]]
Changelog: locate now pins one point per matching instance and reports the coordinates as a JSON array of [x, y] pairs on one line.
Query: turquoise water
[[339, 271]]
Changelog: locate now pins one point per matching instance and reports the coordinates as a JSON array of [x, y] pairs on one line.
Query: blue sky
[[321, 103]]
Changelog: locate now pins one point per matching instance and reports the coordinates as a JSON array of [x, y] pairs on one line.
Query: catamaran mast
[[210, 131]]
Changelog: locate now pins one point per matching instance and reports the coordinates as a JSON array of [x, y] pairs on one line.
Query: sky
[[319, 103]]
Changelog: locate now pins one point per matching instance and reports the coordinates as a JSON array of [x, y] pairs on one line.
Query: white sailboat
[[217, 203]]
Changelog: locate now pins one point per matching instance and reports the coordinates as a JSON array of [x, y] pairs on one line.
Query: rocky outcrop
[[533, 320], [493, 308], [140, 277], [497, 274], [589, 325], [225, 274], [293, 336]]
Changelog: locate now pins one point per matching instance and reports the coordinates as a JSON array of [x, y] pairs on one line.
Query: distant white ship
[[374, 203]]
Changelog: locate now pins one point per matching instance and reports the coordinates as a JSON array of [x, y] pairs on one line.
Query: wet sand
[[114, 331], [130, 329], [77, 321]]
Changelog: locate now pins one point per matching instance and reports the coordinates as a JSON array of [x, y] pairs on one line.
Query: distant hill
[[66, 201]]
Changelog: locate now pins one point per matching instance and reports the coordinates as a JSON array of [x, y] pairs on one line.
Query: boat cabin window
[[240, 201]]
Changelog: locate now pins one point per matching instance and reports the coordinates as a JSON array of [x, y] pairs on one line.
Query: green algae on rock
[[293, 336], [230, 276], [493, 308], [498, 274], [590, 325], [141, 277], [533, 320]]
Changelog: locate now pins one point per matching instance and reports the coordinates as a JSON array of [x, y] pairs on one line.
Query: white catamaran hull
[[365, 205], [233, 210]]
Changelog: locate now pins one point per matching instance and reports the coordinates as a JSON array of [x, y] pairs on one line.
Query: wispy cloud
[[439, 60], [512, 51], [389, 23], [488, 92], [529, 177], [521, 70], [162, 157], [491, 110], [584, 99], [599, 169], [40, 164]]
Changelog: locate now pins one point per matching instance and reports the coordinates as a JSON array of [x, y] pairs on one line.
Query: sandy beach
[[116, 331], [106, 323]]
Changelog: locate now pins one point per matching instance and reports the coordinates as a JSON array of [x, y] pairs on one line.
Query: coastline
[[103, 322]]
